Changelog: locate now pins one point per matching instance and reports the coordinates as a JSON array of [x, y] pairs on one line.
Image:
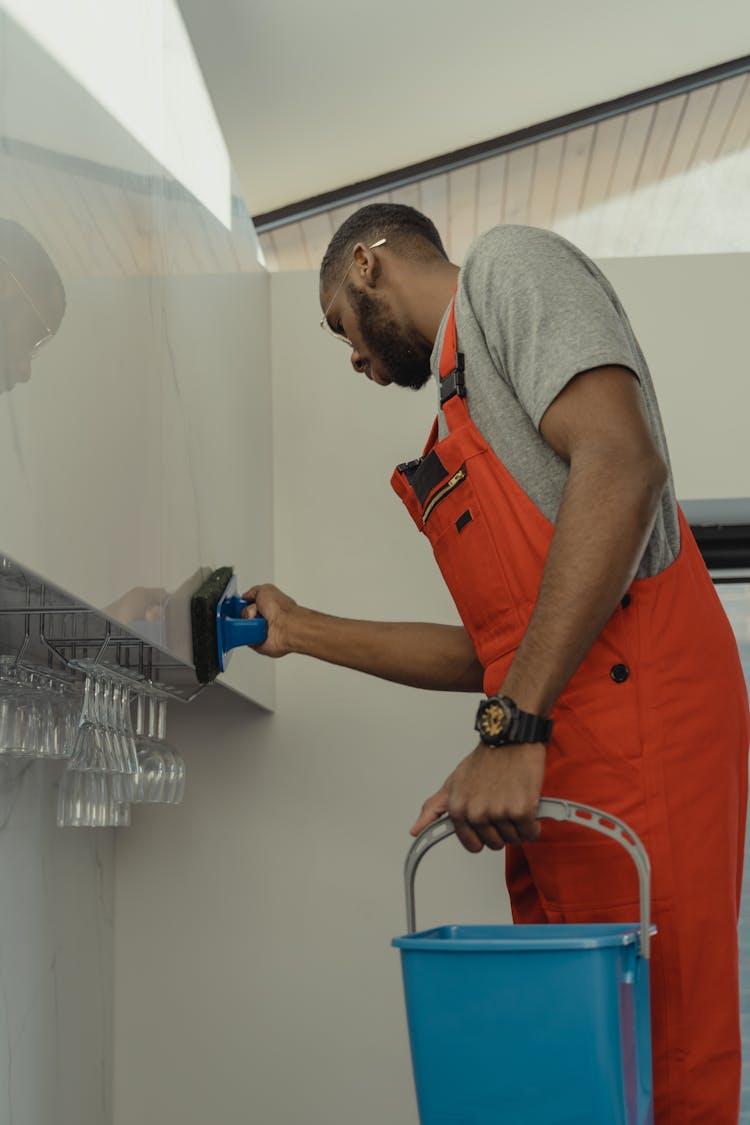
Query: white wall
[[254, 978], [690, 316], [56, 953], [254, 922]]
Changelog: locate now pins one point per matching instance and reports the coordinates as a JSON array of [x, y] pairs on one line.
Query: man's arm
[[596, 424], [606, 516], [438, 657]]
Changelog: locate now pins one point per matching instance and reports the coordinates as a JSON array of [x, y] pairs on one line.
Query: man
[[32, 302], [588, 616]]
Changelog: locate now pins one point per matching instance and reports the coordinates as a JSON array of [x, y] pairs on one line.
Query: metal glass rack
[[42, 625]]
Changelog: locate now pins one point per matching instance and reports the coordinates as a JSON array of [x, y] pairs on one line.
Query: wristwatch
[[500, 720]]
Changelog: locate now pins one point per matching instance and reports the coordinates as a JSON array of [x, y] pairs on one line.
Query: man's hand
[[277, 608], [491, 796]]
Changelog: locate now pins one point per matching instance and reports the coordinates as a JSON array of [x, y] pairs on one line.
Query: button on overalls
[[653, 727]]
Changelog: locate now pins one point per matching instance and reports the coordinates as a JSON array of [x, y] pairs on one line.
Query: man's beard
[[405, 363]]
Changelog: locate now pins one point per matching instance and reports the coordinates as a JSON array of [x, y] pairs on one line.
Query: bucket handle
[[550, 808]]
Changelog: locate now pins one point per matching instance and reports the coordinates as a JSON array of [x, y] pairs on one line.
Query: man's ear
[[366, 265]]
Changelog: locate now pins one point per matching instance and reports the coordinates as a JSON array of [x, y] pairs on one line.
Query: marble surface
[[56, 958], [135, 442]]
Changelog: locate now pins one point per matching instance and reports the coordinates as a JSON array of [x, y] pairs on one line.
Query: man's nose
[[357, 361]]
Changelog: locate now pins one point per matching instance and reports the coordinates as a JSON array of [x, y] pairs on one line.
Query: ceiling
[[312, 97], [670, 177]]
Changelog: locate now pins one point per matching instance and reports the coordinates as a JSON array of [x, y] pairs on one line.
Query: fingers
[[492, 797], [278, 609], [477, 831], [251, 610], [433, 808], [491, 834], [479, 826], [468, 835], [528, 827]]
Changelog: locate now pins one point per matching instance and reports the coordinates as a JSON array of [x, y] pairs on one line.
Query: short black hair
[[407, 230]]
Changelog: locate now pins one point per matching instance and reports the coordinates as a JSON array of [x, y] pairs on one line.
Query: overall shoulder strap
[[452, 383]]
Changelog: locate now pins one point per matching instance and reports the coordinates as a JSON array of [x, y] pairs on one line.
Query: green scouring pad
[[203, 606], [218, 625]]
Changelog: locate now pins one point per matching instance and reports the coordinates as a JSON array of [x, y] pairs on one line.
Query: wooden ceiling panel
[[317, 232], [687, 136], [491, 184], [574, 165], [518, 185], [463, 186], [290, 247], [433, 201], [666, 121], [737, 136], [408, 195], [603, 158], [722, 113], [631, 150], [544, 186], [663, 177]]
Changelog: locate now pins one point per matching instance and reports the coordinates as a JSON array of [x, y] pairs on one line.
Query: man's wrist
[[299, 628], [500, 722]]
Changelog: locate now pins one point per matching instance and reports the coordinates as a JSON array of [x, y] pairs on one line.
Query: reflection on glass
[[140, 316], [32, 302]]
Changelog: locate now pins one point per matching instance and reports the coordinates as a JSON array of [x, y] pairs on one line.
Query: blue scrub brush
[[218, 625]]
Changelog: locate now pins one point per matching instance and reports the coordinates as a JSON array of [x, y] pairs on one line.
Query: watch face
[[494, 719]]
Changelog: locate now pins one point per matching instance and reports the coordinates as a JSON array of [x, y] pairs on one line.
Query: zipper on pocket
[[443, 492]]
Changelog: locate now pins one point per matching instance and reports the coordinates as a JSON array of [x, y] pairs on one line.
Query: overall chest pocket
[[471, 564]]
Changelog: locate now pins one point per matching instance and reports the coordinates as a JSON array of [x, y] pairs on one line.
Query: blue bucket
[[531, 1025]]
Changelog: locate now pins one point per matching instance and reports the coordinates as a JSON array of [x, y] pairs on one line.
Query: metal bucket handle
[[550, 808]]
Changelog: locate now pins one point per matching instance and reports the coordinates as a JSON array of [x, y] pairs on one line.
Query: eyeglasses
[[48, 332], [324, 322]]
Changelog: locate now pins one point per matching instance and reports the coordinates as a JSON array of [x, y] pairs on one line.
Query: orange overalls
[[653, 727]]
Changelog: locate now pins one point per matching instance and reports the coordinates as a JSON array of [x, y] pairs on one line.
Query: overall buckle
[[455, 383]]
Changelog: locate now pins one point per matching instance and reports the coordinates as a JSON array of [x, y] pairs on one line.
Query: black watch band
[[500, 721], [531, 728]]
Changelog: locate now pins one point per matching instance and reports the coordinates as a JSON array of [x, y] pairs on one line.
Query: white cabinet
[[135, 445]]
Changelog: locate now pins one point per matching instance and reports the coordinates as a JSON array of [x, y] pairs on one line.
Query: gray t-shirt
[[532, 312]]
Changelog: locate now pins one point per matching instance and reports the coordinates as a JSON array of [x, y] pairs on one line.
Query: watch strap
[[530, 728]]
